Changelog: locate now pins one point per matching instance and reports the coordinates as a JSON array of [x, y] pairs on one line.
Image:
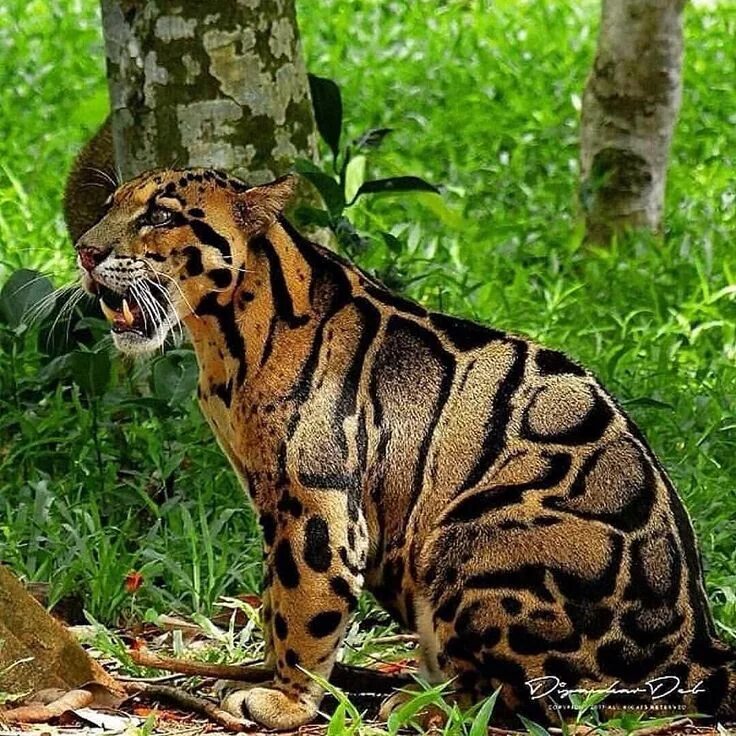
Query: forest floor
[[114, 496], [131, 657]]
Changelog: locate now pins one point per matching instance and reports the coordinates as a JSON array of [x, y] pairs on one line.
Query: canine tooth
[[109, 313], [127, 314]]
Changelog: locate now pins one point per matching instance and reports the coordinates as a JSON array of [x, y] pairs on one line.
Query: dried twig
[[352, 679], [191, 702], [664, 727], [396, 639]]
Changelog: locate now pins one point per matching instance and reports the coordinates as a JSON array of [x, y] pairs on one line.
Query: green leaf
[[372, 138], [481, 720], [532, 728], [336, 726], [395, 184], [305, 166], [327, 104], [354, 176], [306, 215], [91, 371], [407, 712], [59, 335], [392, 243], [22, 291], [329, 190], [174, 376], [348, 237]]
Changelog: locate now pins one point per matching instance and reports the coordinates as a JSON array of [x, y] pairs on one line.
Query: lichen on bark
[[630, 108], [193, 84]]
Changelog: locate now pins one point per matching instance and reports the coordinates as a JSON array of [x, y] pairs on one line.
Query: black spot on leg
[[280, 626], [448, 609], [324, 624], [286, 567], [268, 524], [341, 588], [317, 552], [290, 504], [291, 657]]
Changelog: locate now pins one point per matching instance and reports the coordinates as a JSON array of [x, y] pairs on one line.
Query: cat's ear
[[257, 208]]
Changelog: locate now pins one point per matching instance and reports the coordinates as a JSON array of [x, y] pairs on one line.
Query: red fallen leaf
[[161, 715], [133, 582], [251, 600], [394, 668], [145, 712], [137, 644]]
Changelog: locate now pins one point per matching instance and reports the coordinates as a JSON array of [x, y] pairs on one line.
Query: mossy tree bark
[[221, 85], [36, 651], [630, 108]]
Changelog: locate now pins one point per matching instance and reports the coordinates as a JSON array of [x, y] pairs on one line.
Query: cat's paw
[[271, 707]]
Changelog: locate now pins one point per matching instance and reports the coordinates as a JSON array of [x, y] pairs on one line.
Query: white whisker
[[105, 176], [30, 282], [141, 296], [39, 310], [173, 281], [170, 310], [67, 309], [235, 269]]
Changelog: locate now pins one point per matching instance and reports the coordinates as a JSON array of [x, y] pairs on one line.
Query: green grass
[[484, 100]]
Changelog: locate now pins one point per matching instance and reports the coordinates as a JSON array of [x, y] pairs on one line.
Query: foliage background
[[105, 472]]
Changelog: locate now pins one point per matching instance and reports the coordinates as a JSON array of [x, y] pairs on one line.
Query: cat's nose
[[91, 257]]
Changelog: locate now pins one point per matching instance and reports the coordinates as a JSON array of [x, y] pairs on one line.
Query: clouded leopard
[[488, 491]]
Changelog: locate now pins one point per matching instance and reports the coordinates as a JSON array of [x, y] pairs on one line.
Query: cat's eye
[[156, 217]]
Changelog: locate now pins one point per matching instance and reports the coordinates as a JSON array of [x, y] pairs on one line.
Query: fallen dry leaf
[[40, 713]]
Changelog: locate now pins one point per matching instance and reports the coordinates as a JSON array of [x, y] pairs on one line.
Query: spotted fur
[[489, 491]]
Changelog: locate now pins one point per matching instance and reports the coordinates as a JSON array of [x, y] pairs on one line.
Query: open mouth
[[138, 310]]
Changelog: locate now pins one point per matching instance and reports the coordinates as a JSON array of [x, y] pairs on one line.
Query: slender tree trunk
[[195, 83], [630, 108]]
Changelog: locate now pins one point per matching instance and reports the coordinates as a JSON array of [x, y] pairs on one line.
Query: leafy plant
[[344, 182]]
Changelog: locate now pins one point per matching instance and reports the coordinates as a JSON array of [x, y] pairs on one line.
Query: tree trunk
[[630, 107], [36, 651], [221, 85]]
